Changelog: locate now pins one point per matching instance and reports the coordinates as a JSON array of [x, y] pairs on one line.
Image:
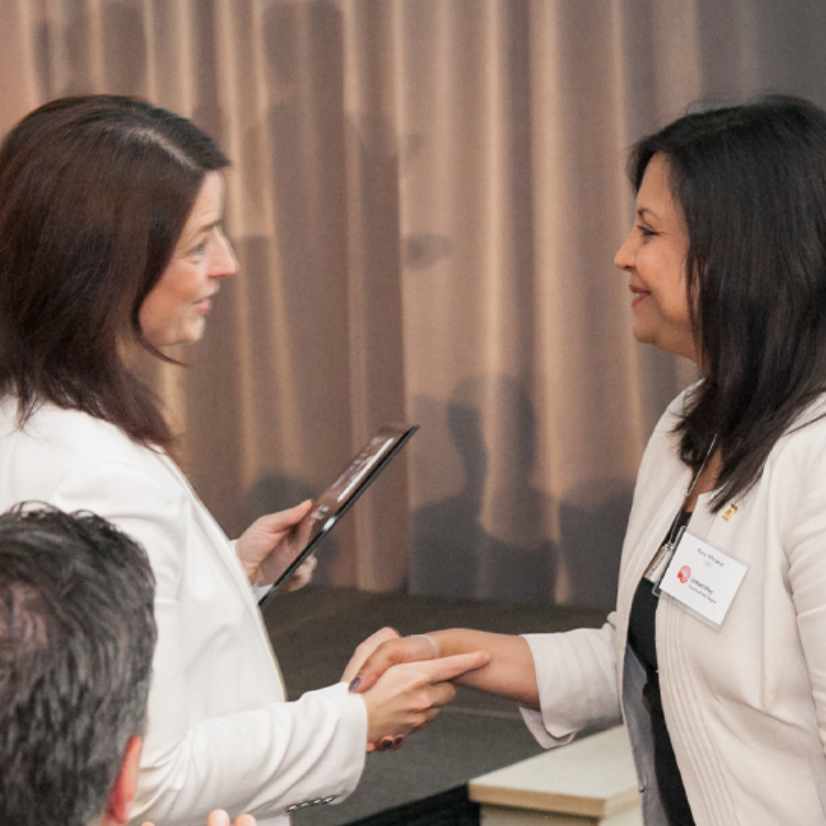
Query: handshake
[[404, 682]]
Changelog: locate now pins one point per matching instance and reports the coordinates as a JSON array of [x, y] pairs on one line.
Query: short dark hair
[[77, 634], [96, 191], [751, 183]]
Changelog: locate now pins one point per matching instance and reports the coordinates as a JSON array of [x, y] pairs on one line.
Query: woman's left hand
[[267, 546]]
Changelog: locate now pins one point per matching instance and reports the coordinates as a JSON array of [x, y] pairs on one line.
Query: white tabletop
[[594, 777]]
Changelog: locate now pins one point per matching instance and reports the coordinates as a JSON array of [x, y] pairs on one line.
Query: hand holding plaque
[[337, 499]]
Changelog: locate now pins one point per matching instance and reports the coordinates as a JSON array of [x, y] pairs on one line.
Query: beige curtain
[[426, 198]]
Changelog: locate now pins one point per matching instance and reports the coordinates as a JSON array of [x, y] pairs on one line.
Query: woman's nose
[[624, 256], [224, 263]]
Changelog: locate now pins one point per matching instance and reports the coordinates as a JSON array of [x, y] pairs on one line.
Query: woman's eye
[[198, 249], [645, 231]]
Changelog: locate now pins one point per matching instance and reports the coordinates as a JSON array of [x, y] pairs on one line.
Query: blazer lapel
[[217, 539]]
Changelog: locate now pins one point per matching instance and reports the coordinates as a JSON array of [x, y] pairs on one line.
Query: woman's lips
[[638, 295]]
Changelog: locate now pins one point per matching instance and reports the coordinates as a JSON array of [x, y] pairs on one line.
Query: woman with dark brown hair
[[111, 241]]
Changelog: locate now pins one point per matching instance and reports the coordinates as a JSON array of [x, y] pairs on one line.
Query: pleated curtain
[[425, 198]]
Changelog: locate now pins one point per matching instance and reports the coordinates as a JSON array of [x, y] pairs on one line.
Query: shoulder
[[77, 462], [803, 445], [71, 434], [792, 484], [56, 444]]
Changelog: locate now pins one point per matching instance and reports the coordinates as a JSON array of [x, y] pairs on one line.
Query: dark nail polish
[[386, 743], [397, 742], [355, 683]]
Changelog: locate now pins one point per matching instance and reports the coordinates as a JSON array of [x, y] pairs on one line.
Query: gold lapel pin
[[729, 512]]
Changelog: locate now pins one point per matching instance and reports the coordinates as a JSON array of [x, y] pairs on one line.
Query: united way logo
[[684, 574]]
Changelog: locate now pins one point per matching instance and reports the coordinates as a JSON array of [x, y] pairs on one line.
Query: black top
[[642, 639]]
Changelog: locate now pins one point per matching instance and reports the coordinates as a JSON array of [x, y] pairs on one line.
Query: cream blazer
[[745, 703], [219, 733]]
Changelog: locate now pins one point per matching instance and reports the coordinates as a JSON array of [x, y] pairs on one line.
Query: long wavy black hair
[[751, 182]]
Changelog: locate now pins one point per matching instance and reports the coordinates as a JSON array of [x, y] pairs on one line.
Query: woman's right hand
[[411, 694]]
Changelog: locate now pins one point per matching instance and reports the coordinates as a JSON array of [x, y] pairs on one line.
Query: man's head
[[77, 634]]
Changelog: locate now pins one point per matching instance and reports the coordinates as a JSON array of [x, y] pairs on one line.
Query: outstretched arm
[[510, 672]]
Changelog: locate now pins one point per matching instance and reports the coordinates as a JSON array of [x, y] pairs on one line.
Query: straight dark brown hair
[[751, 182], [95, 193]]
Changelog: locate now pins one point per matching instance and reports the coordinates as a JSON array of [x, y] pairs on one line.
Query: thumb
[[281, 520], [448, 668], [389, 653]]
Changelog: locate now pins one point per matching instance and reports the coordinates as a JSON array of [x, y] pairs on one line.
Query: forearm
[[509, 674], [261, 760]]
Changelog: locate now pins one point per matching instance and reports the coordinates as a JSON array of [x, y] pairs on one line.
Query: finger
[[244, 820], [307, 568], [282, 520], [304, 529], [303, 574], [424, 719], [394, 652], [448, 668], [429, 716], [218, 817], [441, 694], [364, 650]]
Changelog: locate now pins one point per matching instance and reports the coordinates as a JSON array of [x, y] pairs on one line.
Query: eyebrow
[[207, 227], [202, 229], [643, 211]]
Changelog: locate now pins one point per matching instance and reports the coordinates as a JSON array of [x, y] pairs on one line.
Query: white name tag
[[703, 578]]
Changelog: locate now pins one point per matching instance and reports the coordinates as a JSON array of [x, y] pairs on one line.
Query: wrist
[[433, 643]]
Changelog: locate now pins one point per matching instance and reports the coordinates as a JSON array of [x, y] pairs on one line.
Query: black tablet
[[328, 508]]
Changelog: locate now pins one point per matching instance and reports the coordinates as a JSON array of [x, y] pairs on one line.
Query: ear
[[123, 790]]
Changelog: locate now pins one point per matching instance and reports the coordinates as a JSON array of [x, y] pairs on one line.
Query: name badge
[[703, 578]]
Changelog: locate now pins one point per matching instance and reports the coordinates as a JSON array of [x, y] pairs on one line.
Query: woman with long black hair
[[716, 654]]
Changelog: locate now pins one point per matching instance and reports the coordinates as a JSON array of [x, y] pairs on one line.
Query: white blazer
[[219, 732], [745, 703]]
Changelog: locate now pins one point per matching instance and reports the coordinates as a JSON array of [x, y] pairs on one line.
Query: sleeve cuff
[[576, 683], [352, 737]]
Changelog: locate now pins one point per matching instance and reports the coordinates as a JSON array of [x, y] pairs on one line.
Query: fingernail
[[397, 742], [386, 743], [354, 684]]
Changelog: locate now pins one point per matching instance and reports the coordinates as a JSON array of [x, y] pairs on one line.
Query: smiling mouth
[[638, 295]]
